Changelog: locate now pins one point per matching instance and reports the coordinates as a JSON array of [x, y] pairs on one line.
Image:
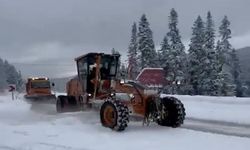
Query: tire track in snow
[[226, 123], [6, 148], [59, 146], [217, 127], [42, 145]]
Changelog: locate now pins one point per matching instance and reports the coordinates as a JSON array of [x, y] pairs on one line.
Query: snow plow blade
[[67, 104], [47, 99]]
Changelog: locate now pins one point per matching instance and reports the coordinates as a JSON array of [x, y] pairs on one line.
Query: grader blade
[[43, 99], [68, 104]]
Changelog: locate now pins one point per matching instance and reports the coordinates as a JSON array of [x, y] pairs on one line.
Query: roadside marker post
[[12, 89]]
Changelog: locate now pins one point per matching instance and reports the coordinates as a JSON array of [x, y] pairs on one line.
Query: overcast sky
[[42, 37]]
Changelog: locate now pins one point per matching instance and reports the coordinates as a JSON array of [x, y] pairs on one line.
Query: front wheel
[[114, 115], [172, 112]]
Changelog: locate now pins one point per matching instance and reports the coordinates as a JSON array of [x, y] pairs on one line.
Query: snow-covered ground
[[24, 127], [229, 109]]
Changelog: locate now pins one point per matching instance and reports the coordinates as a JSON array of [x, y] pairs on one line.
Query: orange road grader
[[97, 86]]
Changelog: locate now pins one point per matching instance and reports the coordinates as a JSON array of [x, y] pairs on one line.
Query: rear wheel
[[172, 112], [114, 115]]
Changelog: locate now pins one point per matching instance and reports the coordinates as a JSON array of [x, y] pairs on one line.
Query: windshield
[[40, 84], [108, 66]]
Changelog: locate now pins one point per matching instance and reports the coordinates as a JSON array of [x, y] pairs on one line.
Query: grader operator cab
[[97, 83]]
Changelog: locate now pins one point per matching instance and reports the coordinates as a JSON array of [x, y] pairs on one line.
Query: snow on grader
[[97, 85]]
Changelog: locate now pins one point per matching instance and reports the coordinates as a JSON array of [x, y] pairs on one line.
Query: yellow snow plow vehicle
[[38, 89]]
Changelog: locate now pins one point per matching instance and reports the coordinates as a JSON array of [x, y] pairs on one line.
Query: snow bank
[[230, 109]]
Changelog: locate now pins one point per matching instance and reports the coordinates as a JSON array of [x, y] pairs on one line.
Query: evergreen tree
[[146, 48], [3, 82], [224, 49], [20, 82], [13, 76], [133, 68], [123, 70], [163, 53], [210, 83], [197, 56], [175, 55], [11, 73], [236, 74], [163, 57]]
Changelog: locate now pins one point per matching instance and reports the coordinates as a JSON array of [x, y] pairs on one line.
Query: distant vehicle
[[38, 89]]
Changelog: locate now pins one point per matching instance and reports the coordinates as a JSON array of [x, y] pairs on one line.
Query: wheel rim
[[109, 116]]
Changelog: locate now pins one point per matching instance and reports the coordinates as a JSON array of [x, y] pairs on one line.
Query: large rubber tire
[[172, 112], [114, 115]]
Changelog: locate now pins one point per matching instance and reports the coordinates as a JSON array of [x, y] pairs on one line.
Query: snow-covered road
[[218, 127], [26, 128]]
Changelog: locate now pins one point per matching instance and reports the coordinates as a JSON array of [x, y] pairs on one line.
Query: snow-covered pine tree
[[163, 53], [163, 57], [3, 82], [219, 62], [236, 71], [133, 68], [124, 73], [146, 48], [210, 83], [12, 75], [224, 49], [197, 56], [175, 56], [19, 82]]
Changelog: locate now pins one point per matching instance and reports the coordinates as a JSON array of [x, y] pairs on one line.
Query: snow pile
[[229, 109]]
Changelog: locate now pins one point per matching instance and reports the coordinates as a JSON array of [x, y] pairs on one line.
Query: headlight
[[132, 96], [122, 81]]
